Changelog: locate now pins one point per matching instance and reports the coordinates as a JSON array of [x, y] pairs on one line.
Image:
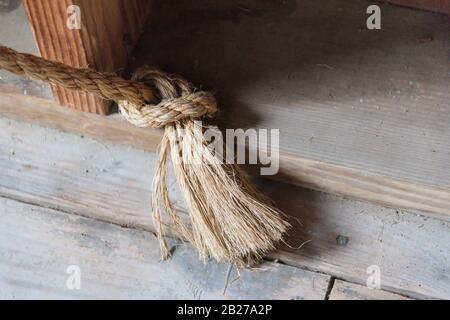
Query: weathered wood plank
[[348, 238], [112, 129], [349, 291], [310, 173], [108, 31], [112, 183], [38, 245]]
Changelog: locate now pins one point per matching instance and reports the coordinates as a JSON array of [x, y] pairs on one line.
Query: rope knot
[[229, 220], [178, 100]]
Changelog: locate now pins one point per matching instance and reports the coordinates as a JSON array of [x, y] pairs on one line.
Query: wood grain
[[309, 173], [113, 128], [349, 291], [109, 29], [112, 182], [361, 113], [37, 245]]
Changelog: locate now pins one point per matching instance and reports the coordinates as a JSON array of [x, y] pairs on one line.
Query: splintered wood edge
[[295, 170]]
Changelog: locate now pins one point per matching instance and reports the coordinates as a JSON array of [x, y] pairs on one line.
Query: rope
[[229, 220], [152, 98]]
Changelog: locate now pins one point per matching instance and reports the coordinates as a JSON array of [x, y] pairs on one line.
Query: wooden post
[[95, 33]]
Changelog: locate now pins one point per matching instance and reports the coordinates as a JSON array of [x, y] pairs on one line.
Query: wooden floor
[[67, 199], [364, 115]]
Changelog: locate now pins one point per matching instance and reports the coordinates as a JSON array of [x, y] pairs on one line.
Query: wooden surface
[[111, 183], [310, 173], [362, 113], [109, 29], [374, 103], [280, 67], [113, 128], [37, 245], [349, 291], [313, 174]]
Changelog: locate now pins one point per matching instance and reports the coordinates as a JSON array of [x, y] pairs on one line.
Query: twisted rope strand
[[142, 100], [106, 85]]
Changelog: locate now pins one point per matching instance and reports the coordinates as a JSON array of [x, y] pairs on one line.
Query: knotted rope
[[178, 101], [229, 219]]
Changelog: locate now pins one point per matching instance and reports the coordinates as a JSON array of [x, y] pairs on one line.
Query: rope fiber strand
[[229, 220]]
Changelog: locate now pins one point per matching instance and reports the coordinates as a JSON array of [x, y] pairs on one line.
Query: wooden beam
[[319, 175], [112, 182], [108, 31], [112, 128]]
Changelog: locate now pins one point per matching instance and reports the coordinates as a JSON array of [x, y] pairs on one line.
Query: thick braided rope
[[179, 100], [155, 101]]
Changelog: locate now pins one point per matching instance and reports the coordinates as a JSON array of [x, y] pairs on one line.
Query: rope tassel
[[229, 220]]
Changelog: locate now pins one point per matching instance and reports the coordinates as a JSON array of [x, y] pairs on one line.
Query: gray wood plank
[[349, 291], [348, 238], [362, 113], [38, 245], [112, 183], [309, 173]]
